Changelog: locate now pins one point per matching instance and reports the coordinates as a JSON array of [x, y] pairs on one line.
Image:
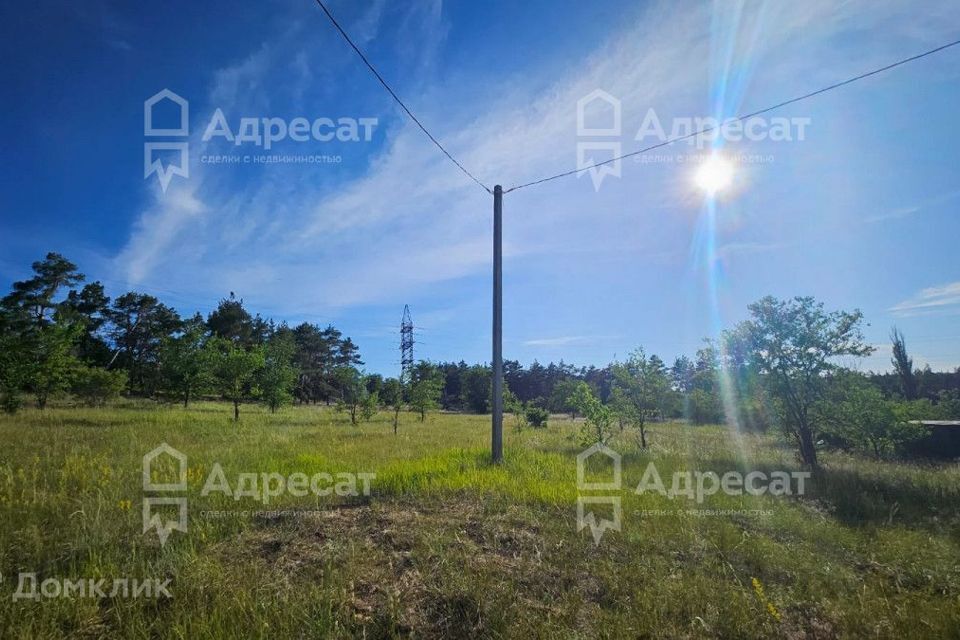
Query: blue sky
[[860, 213]]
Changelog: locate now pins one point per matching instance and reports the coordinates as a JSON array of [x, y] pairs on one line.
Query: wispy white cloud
[[120, 45], [406, 219], [930, 299], [904, 212], [737, 248], [157, 229], [895, 214], [366, 28]]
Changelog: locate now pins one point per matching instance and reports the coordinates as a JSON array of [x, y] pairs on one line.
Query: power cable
[[397, 98], [738, 118]]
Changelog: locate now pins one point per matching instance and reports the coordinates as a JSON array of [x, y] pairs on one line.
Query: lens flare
[[714, 175]]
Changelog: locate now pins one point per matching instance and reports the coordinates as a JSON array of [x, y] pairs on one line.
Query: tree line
[[780, 368], [57, 337]]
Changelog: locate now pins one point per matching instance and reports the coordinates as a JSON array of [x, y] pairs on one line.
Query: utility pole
[[497, 418]]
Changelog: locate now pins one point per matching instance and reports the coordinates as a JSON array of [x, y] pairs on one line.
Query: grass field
[[449, 546]]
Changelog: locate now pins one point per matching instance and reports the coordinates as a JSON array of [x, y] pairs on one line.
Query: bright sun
[[715, 174]]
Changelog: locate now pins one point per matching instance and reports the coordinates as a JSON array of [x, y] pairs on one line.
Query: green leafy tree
[[374, 382], [903, 365], [39, 333], [642, 387], [620, 406], [598, 416], [919, 409], [560, 397], [186, 362], [319, 352], [476, 385], [426, 388], [231, 321], [235, 371], [513, 406], [392, 398], [794, 345], [704, 407], [139, 326], [368, 408], [14, 363], [37, 296], [948, 404], [51, 364], [353, 394], [91, 304], [278, 375], [706, 368], [854, 412], [747, 401], [682, 374]]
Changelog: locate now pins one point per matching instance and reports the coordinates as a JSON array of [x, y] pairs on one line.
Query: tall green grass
[[450, 545]]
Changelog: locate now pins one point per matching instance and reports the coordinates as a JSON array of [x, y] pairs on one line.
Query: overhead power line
[[397, 98], [659, 145], [738, 118]]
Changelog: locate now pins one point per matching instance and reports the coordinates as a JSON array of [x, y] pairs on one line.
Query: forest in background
[[777, 369]]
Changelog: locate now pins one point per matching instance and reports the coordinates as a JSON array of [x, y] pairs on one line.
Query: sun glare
[[714, 175]]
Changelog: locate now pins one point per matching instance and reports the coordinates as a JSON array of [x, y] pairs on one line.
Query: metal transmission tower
[[406, 343], [406, 346]]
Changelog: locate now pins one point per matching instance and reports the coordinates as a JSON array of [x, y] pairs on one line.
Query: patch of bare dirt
[[391, 556]]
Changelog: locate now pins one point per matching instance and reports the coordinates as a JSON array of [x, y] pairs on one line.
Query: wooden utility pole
[[497, 418]]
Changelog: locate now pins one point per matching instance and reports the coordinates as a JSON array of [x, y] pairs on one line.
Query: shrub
[[95, 386], [10, 400], [855, 415], [537, 417]]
